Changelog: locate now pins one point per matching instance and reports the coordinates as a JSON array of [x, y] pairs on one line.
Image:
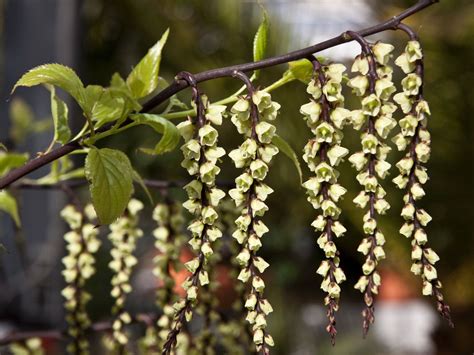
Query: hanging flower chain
[[415, 138], [325, 116], [235, 335], [206, 341], [250, 116], [201, 155], [82, 244], [124, 233], [375, 87], [169, 243]]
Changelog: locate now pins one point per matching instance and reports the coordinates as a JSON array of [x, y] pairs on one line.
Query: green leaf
[[289, 152], [139, 180], [302, 70], [109, 173], [21, 117], [93, 94], [110, 107], [59, 111], [58, 75], [260, 41], [118, 84], [9, 161], [170, 132], [2, 146], [110, 104], [144, 77], [175, 102], [8, 205]]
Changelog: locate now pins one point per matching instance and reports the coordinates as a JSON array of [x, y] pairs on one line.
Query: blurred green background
[[110, 36]]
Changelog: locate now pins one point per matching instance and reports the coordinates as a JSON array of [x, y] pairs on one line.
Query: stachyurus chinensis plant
[[325, 116], [187, 318]]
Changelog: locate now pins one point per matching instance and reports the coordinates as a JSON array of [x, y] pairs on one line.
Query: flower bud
[[336, 153], [403, 61], [265, 132], [265, 306], [411, 84], [312, 111], [430, 272], [340, 116], [332, 91], [430, 255], [243, 257], [358, 160], [423, 217], [408, 125], [403, 101], [334, 290], [258, 169], [330, 249], [371, 105], [251, 301], [323, 268], [362, 283], [339, 275], [314, 89], [420, 236], [359, 84], [368, 267], [407, 229], [369, 144], [360, 65], [364, 246], [413, 51], [384, 125], [260, 264], [382, 52], [384, 88], [361, 199], [416, 252], [258, 284], [427, 288]]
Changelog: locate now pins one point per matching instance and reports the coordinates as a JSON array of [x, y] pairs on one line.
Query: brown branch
[[76, 183], [178, 85]]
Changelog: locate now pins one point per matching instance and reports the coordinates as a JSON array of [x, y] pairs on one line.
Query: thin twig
[[76, 183]]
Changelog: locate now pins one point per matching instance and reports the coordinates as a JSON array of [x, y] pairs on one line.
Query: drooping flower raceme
[[124, 233], [374, 85], [82, 243], [209, 338], [415, 140], [234, 334], [201, 155], [251, 116], [325, 116], [170, 240]]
